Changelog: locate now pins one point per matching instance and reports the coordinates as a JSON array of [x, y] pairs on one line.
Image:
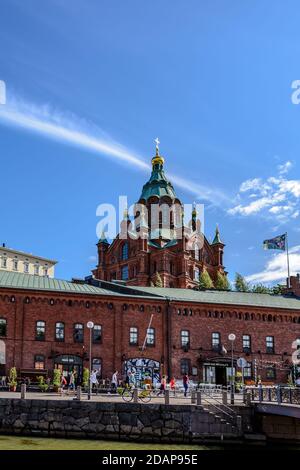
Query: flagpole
[[288, 259]]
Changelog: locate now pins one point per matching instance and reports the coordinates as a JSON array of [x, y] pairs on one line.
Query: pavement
[[113, 398]]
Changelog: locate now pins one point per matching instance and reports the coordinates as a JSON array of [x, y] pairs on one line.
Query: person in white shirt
[[114, 382]]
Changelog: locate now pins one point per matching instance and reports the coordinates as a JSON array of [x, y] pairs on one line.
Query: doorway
[[221, 378], [67, 363]]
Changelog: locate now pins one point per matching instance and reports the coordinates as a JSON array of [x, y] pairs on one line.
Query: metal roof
[[14, 280], [225, 297]]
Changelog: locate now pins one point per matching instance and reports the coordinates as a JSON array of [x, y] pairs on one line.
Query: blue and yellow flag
[[277, 243]]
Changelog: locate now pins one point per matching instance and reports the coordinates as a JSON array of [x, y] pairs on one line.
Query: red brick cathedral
[[163, 248]]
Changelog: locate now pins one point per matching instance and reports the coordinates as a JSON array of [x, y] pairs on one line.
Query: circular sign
[[90, 324], [241, 362], [231, 337]]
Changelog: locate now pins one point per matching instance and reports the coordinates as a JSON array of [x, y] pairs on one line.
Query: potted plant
[[12, 379], [56, 379], [42, 385]]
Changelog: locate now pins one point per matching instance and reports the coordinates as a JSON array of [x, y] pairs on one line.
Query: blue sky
[[91, 84]]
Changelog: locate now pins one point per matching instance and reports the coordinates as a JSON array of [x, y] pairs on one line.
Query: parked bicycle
[[145, 395]]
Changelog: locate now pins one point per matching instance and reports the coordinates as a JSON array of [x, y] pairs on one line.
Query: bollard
[[78, 393], [224, 397], [135, 395], [198, 394], [239, 423], [193, 397], [23, 391], [167, 397]]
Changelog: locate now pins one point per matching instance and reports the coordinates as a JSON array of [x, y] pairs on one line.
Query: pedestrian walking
[[163, 384], [94, 380], [185, 381], [114, 382], [63, 383], [173, 385], [72, 382], [3, 381]]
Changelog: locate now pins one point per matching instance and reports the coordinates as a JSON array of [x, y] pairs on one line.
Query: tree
[[158, 280], [278, 290], [261, 289], [240, 283], [222, 282], [205, 281]]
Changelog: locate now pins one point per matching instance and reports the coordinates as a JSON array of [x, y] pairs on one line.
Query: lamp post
[[232, 338], [90, 326]]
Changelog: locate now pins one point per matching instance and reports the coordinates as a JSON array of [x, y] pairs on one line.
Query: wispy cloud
[[276, 198], [276, 268], [67, 128]]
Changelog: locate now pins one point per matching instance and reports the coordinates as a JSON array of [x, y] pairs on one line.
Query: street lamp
[[232, 338], [90, 326]]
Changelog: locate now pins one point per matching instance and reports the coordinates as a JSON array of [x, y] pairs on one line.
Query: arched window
[[185, 366], [60, 331], [78, 333], [3, 327], [133, 336], [39, 362], [185, 338], [171, 267], [97, 334], [150, 337], [40, 330], [197, 274], [97, 365], [124, 254]]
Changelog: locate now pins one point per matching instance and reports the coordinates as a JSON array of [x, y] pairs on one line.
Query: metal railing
[[277, 394]]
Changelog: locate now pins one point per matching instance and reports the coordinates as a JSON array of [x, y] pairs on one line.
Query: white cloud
[[275, 197], [69, 129], [284, 168], [276, 268]]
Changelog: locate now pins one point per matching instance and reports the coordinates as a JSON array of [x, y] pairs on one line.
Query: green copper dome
[[158, 185]]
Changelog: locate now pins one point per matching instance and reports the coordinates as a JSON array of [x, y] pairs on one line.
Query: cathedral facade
[[162, 246]]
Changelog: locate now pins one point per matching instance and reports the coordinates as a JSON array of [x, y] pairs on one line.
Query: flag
[[277, 243]]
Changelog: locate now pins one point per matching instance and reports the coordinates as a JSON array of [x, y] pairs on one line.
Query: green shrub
[[12, 379], [85, 377], [42, 385], [56, 377]]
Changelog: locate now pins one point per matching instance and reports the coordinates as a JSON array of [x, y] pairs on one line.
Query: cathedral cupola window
[[124, 252], [124, 273]]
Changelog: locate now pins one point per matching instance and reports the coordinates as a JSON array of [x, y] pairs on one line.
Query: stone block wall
[[118, 421]]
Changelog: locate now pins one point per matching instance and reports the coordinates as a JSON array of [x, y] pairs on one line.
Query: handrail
[[231, 413]]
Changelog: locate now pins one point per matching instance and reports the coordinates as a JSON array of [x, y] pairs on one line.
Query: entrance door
[[221, 375], [67, 364]]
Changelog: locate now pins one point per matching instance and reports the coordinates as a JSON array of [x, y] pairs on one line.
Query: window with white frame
[[185, 338], [150, 336], [26, 267], [36, 269], [133, 335], [15, 265], [3, 262]]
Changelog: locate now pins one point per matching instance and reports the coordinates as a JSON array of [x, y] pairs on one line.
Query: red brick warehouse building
[[43, 321], [43, 326]]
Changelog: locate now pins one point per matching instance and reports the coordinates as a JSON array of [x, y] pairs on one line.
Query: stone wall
[[124, 421]]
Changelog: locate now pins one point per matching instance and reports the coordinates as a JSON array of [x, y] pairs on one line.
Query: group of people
[[68, 383]]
